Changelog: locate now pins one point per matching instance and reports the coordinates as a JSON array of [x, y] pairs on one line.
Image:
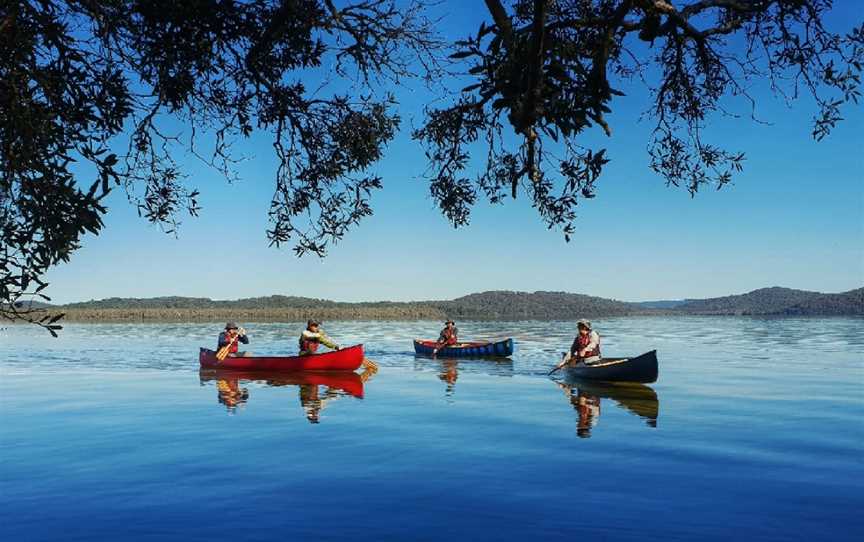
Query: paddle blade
[[222, 353], [564, 360]]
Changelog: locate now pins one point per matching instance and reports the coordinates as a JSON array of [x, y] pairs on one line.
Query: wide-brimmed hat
[[584, 323], [449, 322], [231, 325]]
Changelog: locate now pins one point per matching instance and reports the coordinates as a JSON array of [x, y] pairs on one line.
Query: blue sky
[[794, 217]]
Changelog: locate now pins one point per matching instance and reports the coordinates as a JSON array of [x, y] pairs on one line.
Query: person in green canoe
[[586, 345], [312, 337], [585, 348]]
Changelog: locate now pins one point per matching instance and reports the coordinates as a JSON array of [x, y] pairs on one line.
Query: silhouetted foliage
[[547, 70], [75, 75]]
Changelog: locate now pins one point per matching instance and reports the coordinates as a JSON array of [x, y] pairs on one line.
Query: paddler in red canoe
[[233, 335], [586, 345], [448, 337], [312, 337]]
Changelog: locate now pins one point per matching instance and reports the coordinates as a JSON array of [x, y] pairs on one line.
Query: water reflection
[[448, 374], [231, 394], [448, 369], [586, 399], [316, 390]]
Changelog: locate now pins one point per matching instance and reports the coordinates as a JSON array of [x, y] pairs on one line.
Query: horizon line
[[653, 300]]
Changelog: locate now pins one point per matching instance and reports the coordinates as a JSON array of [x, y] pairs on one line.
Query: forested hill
[[496, 305], [779, 301], [534, 306], [175, 302], [493, 305], [843, 304]]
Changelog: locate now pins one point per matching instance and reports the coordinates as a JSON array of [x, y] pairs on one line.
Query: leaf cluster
[[79, 76], [546, 71]]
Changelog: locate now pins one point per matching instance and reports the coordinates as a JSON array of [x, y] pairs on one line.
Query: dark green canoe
[[638, 369]]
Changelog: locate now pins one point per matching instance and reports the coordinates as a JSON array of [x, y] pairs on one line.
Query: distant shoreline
[[246, 318], [485, 306], [247, 315], [149, 317]]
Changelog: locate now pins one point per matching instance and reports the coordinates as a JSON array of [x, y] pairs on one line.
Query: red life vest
[[308, 344], [448, 336], [582, 342], [232, 349]]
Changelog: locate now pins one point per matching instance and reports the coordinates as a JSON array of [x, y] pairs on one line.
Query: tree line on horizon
[[495, 305]]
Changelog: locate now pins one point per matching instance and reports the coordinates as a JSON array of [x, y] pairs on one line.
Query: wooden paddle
[[566, 359], [225, 350], [366, 363], [369, 364]]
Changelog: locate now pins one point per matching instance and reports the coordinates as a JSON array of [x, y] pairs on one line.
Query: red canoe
[[347, 359]]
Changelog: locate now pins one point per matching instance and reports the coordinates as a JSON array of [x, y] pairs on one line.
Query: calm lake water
[[754, 431]]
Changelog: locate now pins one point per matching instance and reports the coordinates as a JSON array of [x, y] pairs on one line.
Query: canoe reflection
[[313, 398], [448, 369], [638, 399]]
